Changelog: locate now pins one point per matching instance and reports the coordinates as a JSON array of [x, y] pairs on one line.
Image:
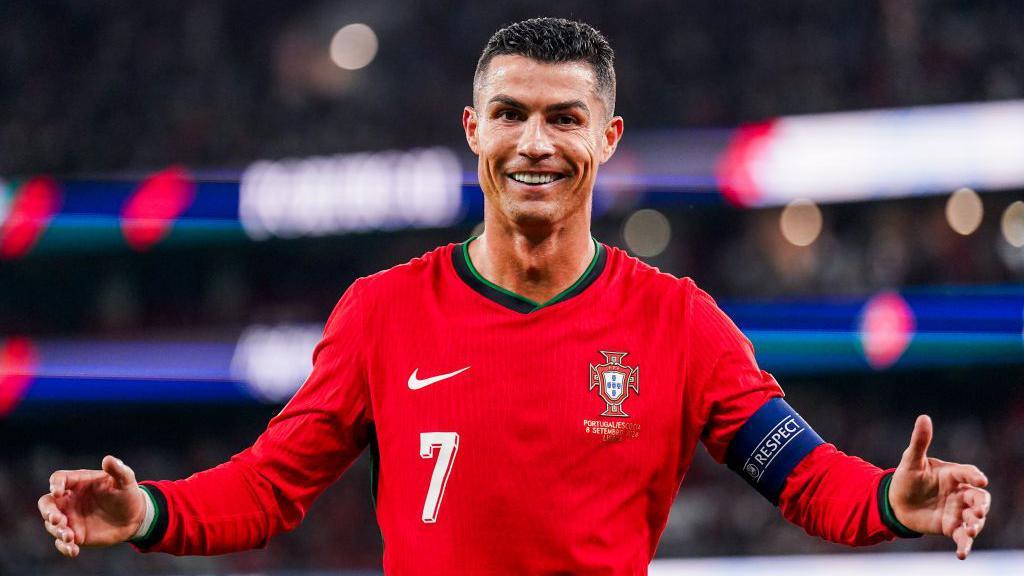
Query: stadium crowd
[[88, 87]]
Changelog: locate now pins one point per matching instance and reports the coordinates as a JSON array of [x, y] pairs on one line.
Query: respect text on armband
[[771, 445]]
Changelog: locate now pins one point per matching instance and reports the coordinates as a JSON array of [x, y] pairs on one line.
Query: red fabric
[[547, 478], [834, 496], [267, 488]]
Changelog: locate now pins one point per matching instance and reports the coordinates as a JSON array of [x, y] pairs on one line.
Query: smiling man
[[532, 398]]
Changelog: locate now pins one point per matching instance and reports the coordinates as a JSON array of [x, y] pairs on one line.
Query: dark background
[[117, 87]]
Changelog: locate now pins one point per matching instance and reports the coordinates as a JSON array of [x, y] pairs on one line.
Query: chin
[[533, 214]]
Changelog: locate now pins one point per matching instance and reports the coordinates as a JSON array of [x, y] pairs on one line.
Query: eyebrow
[[556, 107]]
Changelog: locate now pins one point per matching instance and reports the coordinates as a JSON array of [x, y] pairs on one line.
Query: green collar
[[465, 269]]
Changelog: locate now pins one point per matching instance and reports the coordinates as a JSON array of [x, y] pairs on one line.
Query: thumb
[[123, 476], [915, 456]]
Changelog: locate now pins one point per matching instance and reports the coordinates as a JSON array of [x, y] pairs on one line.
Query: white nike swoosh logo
[[415, 383]]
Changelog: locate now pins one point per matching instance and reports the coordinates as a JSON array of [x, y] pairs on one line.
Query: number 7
[[448, 446]]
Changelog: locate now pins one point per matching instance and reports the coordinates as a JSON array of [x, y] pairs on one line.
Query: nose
[[535, 142]]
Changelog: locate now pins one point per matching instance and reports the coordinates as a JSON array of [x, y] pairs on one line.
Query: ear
[[469, 124], [612, 135]]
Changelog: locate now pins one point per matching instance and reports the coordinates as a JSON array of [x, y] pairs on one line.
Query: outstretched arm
[[260, 492], [830, 494]]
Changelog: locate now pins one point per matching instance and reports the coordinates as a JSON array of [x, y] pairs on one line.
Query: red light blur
[[733, 168], [149, 214], [886, 329], [31, 211], [17, 363]]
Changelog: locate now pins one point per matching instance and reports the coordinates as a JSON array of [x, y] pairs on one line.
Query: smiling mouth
[[535, 178]]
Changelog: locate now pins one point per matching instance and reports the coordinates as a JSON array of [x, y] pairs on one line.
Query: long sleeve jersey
[[516, 437]]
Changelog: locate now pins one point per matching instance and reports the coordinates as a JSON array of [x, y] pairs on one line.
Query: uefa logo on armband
[[752, 471]]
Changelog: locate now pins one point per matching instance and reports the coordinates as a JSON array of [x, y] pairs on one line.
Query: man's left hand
[[931, 496]]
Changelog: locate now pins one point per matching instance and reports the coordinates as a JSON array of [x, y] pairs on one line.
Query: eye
[[510, 115], [567, 120]]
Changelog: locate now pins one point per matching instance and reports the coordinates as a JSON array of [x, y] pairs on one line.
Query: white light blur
[[964, 211], [354, 46], [351, 193], [1013, 224], [801, 222], [274, 361], [647, 232], [888, 153]]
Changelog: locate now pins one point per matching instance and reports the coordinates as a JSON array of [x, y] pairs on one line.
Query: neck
[[538, 267]]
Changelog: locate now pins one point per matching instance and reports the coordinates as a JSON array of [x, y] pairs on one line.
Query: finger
[[978, 498], [916, 453], [974, 514], [973, 525], [123, 476], [53, 530], [963, 543], [63, 480], [49, 510], [968, 474], [69, 549]]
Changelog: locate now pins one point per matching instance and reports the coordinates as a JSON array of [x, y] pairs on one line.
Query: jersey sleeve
[[828, 493], [267, 488], [838, 497], [722, 364]]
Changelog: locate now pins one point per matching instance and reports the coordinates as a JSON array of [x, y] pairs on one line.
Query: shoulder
[[636, 277], [421, 272], [359, 307]]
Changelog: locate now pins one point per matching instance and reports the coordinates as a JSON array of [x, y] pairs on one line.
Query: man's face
[[540, 131]]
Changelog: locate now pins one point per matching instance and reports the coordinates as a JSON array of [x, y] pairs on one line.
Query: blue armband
[[769, 445]]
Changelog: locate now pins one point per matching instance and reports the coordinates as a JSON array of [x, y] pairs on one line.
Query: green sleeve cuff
[[158, 528], [888, 516]]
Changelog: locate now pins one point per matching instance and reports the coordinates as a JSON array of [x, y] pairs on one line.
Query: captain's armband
[[769, 445]]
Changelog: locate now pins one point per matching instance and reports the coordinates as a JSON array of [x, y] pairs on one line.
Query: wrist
[[888, 513], [148, 520]]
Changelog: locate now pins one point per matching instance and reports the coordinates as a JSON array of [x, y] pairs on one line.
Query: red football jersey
[[509, 437]]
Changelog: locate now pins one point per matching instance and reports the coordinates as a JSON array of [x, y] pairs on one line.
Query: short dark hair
[[555, 40]]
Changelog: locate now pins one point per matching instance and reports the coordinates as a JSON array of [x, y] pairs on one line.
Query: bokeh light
[[29, 215], [964, 211], [18, 360], [647, 232], [887, 326], [148, 215], [801, 222], [354, 46], [1013, 224]]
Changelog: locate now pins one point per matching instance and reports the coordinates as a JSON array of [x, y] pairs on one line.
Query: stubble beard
[[539, 218]]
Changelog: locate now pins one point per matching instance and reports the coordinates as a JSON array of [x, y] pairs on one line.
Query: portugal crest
[[613, 380]]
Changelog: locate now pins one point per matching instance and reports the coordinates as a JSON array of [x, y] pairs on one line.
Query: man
[[531, 398]]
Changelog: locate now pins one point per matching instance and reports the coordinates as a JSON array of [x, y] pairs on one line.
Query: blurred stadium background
[[186, 189]]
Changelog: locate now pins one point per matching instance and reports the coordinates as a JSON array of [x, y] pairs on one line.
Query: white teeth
[[532, 178]]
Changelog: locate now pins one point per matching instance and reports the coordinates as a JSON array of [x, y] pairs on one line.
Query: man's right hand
[[92, 507]]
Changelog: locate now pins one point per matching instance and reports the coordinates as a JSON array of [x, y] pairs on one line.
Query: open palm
[[932, 496]]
